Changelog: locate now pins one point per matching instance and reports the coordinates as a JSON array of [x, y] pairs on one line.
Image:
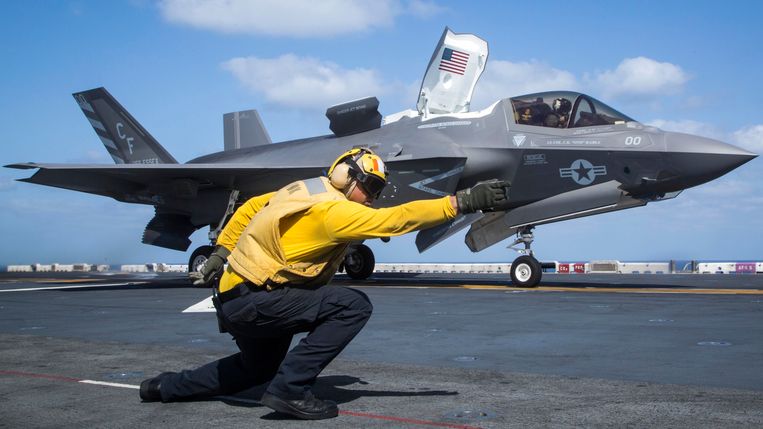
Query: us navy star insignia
[[583, 172]]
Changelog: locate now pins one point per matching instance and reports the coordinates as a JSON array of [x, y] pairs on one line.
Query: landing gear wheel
[[198, 257], [526, 272], [359, 262]]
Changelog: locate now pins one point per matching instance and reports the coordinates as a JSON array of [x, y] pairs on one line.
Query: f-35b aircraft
[[567, 154]]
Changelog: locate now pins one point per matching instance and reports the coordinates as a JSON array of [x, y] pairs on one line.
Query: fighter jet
[[567, 155]]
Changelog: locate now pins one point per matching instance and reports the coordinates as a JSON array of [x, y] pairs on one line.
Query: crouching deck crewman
[[282, 248]]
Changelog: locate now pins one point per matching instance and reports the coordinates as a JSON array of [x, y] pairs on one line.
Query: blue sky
[[177, 66]]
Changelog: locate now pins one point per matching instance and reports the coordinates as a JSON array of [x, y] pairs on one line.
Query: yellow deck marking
[[590, 289], [652, 290]]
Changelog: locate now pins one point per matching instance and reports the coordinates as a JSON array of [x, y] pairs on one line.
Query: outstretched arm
[[348, 221]]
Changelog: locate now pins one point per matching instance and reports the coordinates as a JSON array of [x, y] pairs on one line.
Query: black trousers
[[263, 324]]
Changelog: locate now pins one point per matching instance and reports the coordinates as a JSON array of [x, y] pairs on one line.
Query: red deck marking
[[345, 413], [405, 420]]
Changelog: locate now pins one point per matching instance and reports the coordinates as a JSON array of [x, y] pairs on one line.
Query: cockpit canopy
[[564, 109]]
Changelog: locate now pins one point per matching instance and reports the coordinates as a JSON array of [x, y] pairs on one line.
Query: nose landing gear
[[526, 271]]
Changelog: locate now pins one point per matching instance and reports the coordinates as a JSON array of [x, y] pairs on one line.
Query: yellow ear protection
[[339, 176]]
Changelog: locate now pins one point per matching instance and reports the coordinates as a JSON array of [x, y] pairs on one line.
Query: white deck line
[[71, 287], [106, 383]]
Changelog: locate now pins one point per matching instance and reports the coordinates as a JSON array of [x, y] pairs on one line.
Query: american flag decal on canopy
[[454, 61]]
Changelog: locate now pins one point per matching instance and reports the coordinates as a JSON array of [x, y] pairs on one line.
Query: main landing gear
[[359, 262], [526, 271], [202, 253], [199, 257]]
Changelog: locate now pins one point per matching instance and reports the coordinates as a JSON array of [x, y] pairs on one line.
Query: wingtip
[[22, 166]]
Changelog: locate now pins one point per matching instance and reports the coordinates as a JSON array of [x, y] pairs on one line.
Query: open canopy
[[453, 71]]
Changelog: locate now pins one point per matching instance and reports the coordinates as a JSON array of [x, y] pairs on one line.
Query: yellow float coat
[[299, 234]]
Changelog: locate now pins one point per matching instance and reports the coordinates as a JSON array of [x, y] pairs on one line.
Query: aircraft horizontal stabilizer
[[151, 184], [186, 196], [601, 198]]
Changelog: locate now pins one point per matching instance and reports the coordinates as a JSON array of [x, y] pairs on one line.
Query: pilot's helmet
[[361, 165], [561, 106]]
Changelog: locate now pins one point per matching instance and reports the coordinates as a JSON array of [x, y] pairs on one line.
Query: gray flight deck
[[439, 351]]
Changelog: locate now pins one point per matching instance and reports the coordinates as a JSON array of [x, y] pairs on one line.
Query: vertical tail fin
[[125, 139], [244, 129]]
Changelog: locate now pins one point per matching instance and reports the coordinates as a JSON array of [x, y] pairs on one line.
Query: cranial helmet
[[361, 165], [561, 106]]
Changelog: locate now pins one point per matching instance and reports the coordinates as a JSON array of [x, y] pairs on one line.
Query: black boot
[[150, 389], [309, 408]]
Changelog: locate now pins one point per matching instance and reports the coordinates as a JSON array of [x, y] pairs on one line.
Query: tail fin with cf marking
[[125, 139]]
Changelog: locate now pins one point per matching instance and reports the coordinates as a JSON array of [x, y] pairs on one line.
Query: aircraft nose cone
[[700, 159]]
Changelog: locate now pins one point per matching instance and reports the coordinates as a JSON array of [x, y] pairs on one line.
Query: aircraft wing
[[601, 198], [189, 196], [185, 196], [145, 183]]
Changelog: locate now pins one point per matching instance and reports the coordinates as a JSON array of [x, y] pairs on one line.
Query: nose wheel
[[526, 271]]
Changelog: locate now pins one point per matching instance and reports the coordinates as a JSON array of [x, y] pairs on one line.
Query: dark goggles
[[372, 185]]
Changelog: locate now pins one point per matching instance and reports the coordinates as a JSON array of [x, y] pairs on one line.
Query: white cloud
[[633, 76], [689, 127], [425, 9], [503, 79], [296, 18], [750, 138], [306, 82], [301, 82], [639, 76]]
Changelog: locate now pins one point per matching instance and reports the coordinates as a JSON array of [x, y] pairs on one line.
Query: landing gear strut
[[526, 271], [202, 253]]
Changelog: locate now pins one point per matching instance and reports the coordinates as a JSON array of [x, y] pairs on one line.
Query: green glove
[[483, 196], [211, 267]]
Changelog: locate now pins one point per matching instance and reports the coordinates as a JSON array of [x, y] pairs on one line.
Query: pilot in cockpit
[[525, 116], [562, 108]]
